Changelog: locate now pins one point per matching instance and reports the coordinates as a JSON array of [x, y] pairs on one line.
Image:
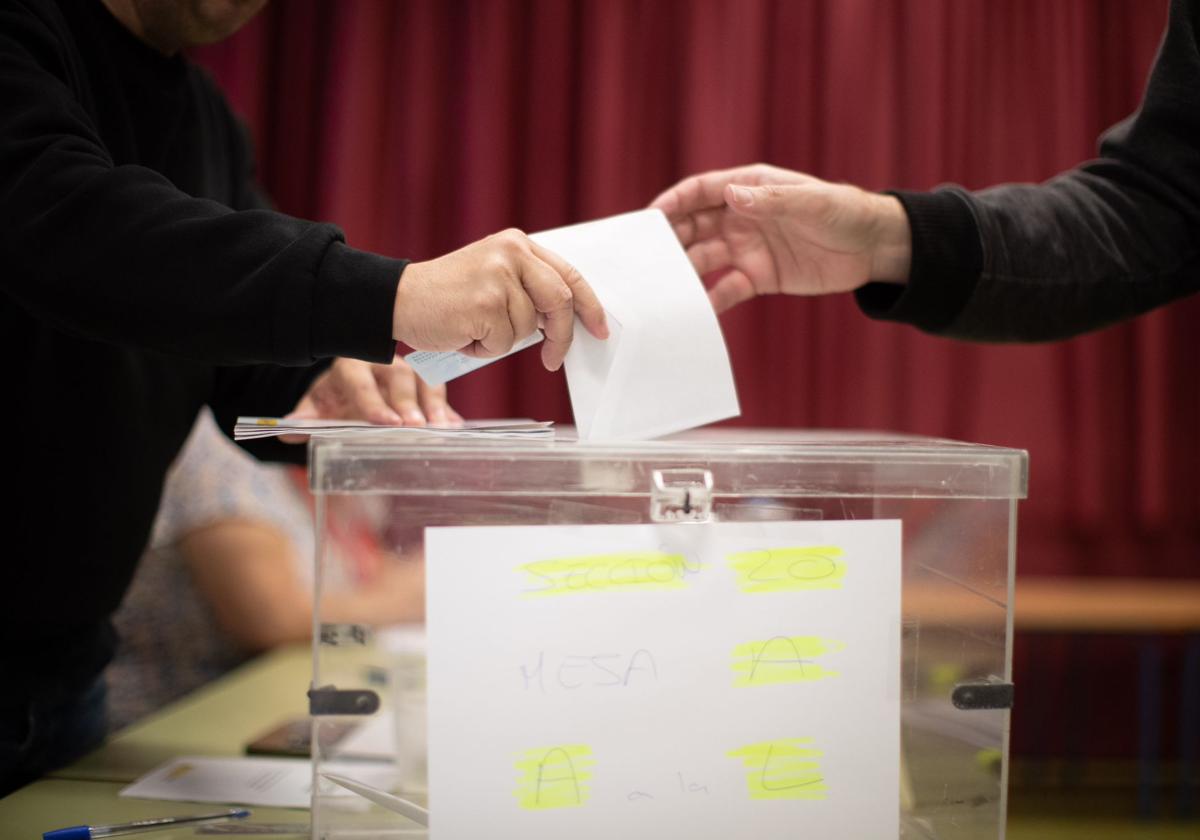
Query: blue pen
[[87, 832]]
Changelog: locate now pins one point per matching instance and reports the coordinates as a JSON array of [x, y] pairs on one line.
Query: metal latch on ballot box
[[681, 495]]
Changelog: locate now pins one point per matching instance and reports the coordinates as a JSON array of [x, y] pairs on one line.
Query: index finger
[[697, 192], [702, 192], [551, 297], [583, 299], [707, 190]]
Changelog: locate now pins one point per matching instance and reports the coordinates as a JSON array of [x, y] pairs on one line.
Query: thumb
[[759, 201]]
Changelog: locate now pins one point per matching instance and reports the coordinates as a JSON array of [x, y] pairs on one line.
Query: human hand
[[481, 299], [386, 394], [773, 230]]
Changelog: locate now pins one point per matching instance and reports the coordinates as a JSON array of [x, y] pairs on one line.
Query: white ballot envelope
[[665, 367]]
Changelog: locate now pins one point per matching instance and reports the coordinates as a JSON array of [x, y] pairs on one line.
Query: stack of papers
[[252, 428]]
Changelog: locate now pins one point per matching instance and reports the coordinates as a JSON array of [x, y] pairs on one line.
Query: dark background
[[421, 126]]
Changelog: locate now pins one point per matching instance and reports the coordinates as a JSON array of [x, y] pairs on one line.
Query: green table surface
[[58, 803], [219, 719], [223, 716]]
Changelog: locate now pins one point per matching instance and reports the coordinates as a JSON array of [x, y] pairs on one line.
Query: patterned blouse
[[170, 642]]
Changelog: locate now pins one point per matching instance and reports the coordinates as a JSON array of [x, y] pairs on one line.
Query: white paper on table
[[665, 368], [268, 782], [372, 740], [605, 661]]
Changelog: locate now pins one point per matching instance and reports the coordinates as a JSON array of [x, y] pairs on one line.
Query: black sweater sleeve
[[118, 254], [1106, 241], [262, 390]]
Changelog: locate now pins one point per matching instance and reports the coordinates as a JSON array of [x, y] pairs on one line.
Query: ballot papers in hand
[[251, 428], [664, 367]]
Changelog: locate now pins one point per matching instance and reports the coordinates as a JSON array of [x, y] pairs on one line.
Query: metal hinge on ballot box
[[331, 700], [994, 693], [681, 495]]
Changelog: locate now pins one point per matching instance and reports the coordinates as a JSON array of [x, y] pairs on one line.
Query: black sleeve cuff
[[353, 300], [947, 258]]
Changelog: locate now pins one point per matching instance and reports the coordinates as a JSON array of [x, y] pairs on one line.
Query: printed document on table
[[269, 782], [665, 368]]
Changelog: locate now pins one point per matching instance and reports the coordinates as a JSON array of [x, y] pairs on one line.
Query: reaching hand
[[483, 298], [387, 394], [771, 230]]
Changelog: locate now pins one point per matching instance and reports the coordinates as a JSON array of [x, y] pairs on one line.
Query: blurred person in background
[[229, 573]]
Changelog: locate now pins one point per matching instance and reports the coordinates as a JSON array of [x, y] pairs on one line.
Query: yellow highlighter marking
[[554, 777], [266, 421], [789, 569], [782, 659], [623, 572], [782, 769], [179, 771]]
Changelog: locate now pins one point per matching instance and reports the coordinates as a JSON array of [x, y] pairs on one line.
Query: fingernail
[[438, 417], [412, 415], [391, 418], [742, 195]]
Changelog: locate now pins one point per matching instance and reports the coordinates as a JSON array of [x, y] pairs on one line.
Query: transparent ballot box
[[723, 633]]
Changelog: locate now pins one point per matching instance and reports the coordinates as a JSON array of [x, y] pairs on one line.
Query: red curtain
[[420, 126]]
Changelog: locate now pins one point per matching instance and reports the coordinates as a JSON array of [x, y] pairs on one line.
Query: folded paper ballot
[[250, 428], [665, 367]]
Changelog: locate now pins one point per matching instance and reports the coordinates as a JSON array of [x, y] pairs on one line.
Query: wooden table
[[219, 719]]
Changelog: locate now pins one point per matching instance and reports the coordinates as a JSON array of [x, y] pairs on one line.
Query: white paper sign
[[650, 681], [665, 367]]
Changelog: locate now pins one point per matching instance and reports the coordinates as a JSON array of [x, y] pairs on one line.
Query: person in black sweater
[[143, 275], [1106, 241]]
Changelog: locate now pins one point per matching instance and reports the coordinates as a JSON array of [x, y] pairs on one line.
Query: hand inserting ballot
[[481, 299]]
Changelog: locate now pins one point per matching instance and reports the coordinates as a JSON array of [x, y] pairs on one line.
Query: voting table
[[218, 720], [721, 633]]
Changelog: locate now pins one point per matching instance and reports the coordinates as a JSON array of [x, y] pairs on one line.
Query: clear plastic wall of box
[[957, 503]]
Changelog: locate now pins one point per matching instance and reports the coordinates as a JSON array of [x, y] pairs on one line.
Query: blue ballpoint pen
[[87, 832]]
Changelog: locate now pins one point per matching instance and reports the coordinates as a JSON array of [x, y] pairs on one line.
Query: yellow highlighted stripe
[[782, 659], [789, 569], [784, 769], [554, 777], [635, 570]]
